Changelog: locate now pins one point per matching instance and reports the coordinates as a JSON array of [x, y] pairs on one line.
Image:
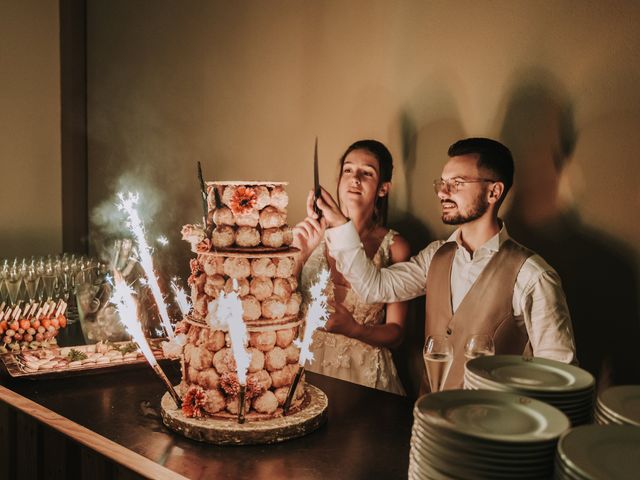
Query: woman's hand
[[341, 321], [331, 212]]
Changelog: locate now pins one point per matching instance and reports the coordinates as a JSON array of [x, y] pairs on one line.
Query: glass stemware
[[31, 282], [13, 282], [438, 356], [50, 281], [479, 345]]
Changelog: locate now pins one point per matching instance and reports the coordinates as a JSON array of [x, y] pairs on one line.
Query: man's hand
[[331, 212], [341, 321]]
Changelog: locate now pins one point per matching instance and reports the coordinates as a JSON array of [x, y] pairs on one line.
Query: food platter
[[57, 364]]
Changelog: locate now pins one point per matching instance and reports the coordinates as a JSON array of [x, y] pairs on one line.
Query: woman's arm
[[388, 334]]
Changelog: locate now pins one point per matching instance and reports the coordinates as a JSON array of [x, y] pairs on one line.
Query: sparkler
[[317, 317], [128, 204], [182, 299], [126, 306], [228, 312], [162, 240]]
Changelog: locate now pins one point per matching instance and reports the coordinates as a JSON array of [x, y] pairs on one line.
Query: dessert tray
[[61, 362]]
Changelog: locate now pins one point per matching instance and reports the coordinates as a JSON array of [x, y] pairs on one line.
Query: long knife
[[316, 182], [203, 194]]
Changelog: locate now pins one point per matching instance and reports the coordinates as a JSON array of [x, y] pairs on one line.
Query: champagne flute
[[13, 282], [479, 345], [438, 356], [31, 282]]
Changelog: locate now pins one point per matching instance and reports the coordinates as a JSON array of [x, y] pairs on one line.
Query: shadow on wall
[[408, 357], [598, 272]]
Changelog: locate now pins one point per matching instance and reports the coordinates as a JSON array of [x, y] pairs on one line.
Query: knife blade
[[316, 182]]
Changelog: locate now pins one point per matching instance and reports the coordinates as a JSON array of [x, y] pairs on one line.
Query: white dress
[[343, 357]]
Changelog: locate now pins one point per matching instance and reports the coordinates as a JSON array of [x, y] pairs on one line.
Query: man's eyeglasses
[[453, 185]]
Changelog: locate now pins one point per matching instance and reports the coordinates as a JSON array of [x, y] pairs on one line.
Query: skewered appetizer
[[32, 326]]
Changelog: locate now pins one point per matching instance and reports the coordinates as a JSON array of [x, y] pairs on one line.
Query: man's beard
[[477, 209]]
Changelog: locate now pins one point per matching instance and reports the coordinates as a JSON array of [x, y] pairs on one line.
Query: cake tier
[[248, 215], [210, 387], [225, 429], [266, 283]]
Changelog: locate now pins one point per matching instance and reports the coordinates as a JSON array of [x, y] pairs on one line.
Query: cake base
[[230, 432]]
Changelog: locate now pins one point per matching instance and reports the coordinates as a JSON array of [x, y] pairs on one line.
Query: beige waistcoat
[[486, 308]]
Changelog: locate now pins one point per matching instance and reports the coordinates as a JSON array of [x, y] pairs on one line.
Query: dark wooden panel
[[7, 440], [73, 103], [26, 454], [94, 466], [52, 455]]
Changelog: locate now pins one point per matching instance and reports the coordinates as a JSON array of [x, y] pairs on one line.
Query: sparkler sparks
[[229, 313], [317, 317], [128, 204], [162, 240], [181, 297], [127, 309]]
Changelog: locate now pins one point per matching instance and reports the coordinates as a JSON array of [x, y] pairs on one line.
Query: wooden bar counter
[[108, 426]]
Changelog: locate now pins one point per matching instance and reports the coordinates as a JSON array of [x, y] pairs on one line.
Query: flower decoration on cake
[[229, 383], [243, 200], [196, 271], [193, 234], [254, 387], [193, 402], [204, 246]]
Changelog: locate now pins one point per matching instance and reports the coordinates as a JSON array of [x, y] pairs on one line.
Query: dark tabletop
[[367, 434]]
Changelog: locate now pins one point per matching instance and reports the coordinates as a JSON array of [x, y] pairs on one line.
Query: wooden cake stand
[[227, 431]]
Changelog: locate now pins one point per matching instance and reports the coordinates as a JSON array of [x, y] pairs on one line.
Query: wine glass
[[479, 345], [31, 282], [438, 356]]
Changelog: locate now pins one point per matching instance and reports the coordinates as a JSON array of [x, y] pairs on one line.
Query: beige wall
[[245, 87], [30, 206]]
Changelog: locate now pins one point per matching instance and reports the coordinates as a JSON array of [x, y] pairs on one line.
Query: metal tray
[[14, 364]]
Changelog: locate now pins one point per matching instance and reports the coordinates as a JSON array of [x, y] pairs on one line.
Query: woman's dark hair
[[385, 166]]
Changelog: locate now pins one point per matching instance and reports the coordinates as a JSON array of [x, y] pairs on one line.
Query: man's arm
[[397, 283], [547, 319]]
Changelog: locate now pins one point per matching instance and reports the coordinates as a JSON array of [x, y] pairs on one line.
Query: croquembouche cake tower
[[245, 247]]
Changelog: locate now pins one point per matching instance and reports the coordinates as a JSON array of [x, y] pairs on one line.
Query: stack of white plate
[[590, 452], [466, 434], [618, 405], [566, 387]]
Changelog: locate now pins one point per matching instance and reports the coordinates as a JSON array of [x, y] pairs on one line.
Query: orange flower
[[229, 383], [204, 246], [193, 402], [243, 201]]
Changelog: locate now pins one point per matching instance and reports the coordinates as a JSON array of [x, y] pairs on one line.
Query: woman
[[355, 343]]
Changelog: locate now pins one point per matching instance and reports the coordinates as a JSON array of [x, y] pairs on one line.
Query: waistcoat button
[[448, 331]]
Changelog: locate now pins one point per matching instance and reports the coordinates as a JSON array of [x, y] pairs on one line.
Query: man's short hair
[[493, 157]]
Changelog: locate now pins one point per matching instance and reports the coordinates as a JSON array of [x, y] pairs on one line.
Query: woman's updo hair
[[385, 166]]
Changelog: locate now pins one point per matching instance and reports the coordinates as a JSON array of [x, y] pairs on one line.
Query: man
[[478, 281]]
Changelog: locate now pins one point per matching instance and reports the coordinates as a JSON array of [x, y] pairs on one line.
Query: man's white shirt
[[538, 299]]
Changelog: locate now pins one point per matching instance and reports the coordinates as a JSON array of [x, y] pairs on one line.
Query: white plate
[[497, 416], [602, 451], [535, 374], [622, 402]]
